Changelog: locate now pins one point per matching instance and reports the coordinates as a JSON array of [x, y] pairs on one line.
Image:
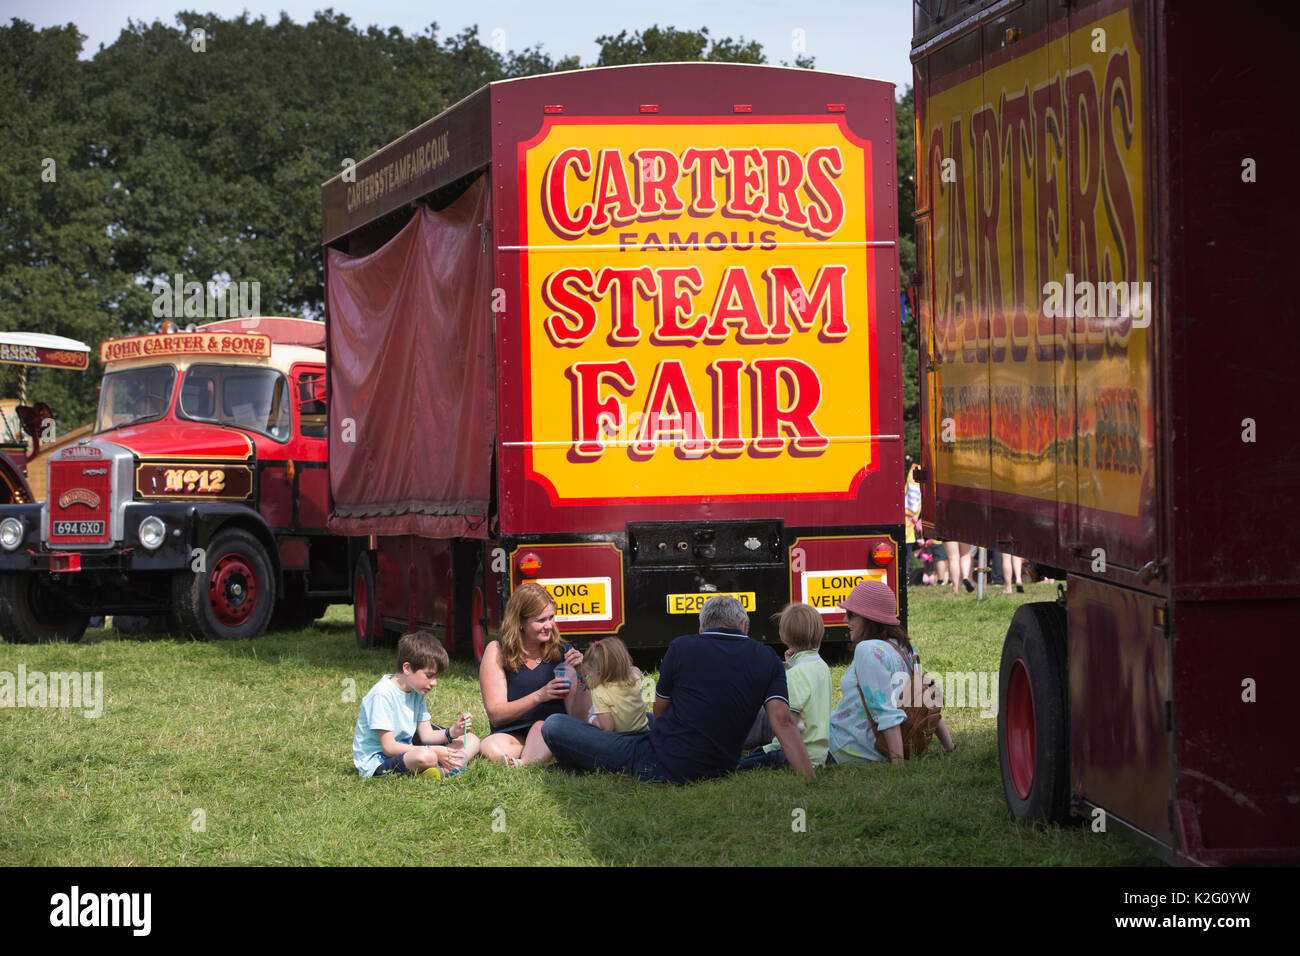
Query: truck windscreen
[[255, 399], [135, 395]]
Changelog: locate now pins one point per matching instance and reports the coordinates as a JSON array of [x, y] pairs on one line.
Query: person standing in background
[[959, 565], [911, 513]]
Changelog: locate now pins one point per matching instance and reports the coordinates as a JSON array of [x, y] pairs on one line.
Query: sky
[[865, 38]]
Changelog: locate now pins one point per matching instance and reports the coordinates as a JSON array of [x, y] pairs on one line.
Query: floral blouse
[[881, 672]]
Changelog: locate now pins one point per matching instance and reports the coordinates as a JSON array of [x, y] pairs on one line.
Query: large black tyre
[[233, 597], [365, 607], [469, 634], [1034, 715], [29, 613]]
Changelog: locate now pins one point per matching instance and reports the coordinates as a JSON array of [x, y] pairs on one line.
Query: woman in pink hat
[[878, 672]]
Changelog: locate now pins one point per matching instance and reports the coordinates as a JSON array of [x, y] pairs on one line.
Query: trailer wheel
[[365, 607], [232, 598], [478, 624], [31, 613], [1034, 715]]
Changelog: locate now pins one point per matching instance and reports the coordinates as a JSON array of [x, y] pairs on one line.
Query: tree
[[57, 273], [905, 137], [671, 45]]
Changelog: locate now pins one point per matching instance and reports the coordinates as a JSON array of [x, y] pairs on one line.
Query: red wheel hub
[[232, 590], [361, 606], [477, 633], [1020, 729]]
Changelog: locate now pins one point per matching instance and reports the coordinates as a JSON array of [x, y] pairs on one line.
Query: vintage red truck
[[1109, 341], [201, 493], [631, 333]]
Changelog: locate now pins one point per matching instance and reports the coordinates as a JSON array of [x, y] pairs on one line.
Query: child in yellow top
[[616, 702]]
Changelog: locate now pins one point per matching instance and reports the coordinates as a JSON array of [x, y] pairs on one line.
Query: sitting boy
[[809, 682], [393, 731]]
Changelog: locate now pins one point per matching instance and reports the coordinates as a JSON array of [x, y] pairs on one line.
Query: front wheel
[[1034, 715], [30, 612], [232, 597]]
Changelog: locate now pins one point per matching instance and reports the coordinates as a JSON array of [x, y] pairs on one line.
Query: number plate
[[78, 528], [691, 603]]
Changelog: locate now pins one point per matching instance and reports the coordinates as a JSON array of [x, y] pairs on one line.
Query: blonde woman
[[517, 678]]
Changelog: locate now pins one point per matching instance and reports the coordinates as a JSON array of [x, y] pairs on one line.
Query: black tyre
[[1034, 715], [365, 607], [233, 597], [30, 612], [469, 634]]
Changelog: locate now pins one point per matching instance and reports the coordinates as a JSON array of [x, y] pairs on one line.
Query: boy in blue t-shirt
[[393, 732]]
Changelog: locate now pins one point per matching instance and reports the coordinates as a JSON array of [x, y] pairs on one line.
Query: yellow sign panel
[[580, 599], [825, 590], [1043, 297], [692, 603], [247, 345], [699, 308]]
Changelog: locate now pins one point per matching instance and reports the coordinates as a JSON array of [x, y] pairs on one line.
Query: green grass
[[258, 737]]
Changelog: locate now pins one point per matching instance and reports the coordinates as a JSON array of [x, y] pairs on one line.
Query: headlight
[[152, 532], [11, 534]]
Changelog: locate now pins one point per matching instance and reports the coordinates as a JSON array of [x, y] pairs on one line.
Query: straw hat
[[873, 600]]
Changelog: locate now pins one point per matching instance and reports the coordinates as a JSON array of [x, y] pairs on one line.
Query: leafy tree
[[56, 227], [671, 45], [905, 137]]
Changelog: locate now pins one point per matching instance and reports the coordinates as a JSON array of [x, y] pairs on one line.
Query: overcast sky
[[866, 38]]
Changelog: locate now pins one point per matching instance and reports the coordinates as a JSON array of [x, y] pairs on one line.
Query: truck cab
[[202, 492]]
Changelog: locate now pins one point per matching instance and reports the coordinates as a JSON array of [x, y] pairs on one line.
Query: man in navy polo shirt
[[710, 686]]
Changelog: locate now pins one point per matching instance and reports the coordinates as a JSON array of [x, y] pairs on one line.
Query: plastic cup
[[565, 673]]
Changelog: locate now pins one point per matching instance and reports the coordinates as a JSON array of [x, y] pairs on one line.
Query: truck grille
[[80, 501]]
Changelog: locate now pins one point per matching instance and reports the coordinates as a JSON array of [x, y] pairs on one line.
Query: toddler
[[616, 702], [808, 681]]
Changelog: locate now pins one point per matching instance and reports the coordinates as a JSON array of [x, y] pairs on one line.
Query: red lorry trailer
[[631, 333], [1108, 345], [202, 492]]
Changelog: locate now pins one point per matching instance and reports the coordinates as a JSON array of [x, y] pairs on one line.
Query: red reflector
[[529, 565], [742, 108], [834, 107], [554, 108], [649, 108], [65, 562], [882, 554]]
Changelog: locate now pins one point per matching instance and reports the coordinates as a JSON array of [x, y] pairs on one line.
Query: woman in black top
[[517, 678]]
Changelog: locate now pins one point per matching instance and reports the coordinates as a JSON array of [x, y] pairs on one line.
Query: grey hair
[[723, 610]]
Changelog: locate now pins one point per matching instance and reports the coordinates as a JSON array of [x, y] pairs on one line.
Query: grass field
[[221, 754]]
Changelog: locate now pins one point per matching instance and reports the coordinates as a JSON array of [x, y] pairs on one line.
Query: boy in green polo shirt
[[808, 681]]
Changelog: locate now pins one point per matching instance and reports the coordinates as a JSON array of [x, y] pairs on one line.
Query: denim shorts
[[397, 762]]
